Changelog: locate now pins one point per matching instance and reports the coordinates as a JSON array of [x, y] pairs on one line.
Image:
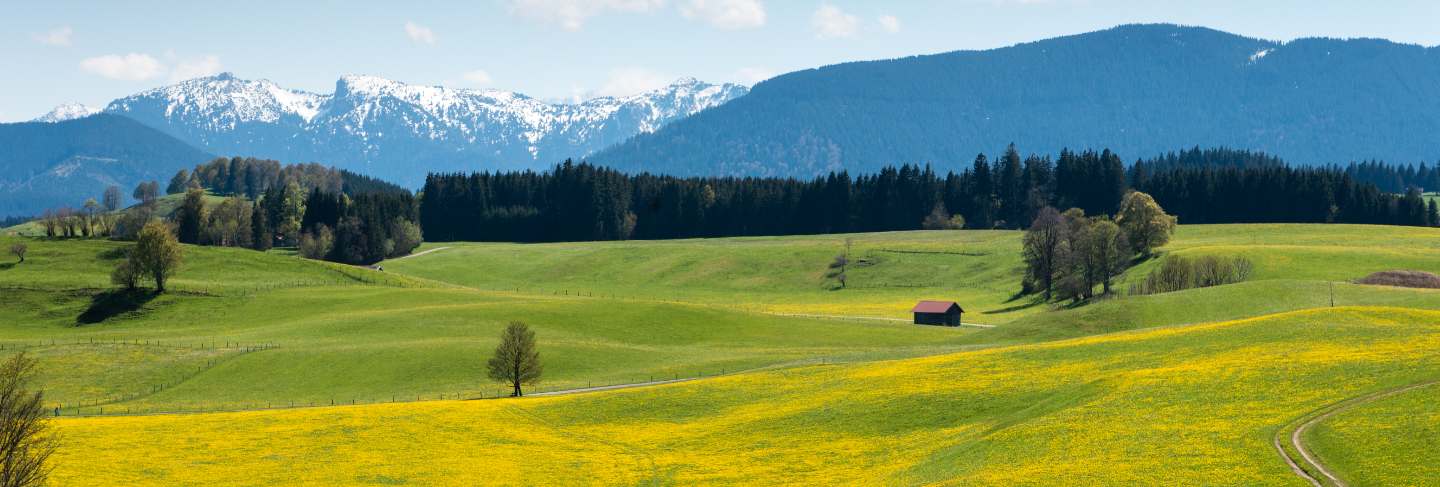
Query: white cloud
[[750, 75], [726, 14], [572, 14], [128, 67], [56, 37], [419, 33], [829, 22], [889, 24], [478, 77], [205, 66], [632, 80]]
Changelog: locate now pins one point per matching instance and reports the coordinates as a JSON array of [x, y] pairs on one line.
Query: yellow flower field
[[1179, 405]]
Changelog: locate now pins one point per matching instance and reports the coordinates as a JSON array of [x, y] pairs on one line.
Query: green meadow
[[806, 368]]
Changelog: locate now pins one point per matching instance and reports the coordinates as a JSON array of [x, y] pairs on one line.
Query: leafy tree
[[190, 217], [128, 226], [157, 254], [125, 275], [406, 236], [292, 211], [179, 183], [318, 244], [1078, 269], [1041, 250], [147, 192], [516, 361], [1145, 223], [18, 250], [112, 198], [1110, 251], [26, 440], [939, 219], [229, 224], [89, 216]]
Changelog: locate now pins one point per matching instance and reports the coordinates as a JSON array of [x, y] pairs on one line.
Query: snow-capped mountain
[[399, 131], [68, 111]]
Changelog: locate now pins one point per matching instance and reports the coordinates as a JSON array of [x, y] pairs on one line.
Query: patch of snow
[[67, 111], [1260, 55]]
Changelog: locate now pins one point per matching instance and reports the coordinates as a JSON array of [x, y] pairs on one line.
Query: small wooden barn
[[943, 313]]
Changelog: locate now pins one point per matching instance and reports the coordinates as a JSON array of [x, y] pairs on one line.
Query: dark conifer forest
[[580, 201]]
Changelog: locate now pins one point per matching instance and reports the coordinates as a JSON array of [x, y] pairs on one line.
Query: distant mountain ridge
[[399, 132], [53, 164], [1140, 90], [68, 111]]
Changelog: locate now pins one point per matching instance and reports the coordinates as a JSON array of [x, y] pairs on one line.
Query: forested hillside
[[44, 165], [1137, 89]]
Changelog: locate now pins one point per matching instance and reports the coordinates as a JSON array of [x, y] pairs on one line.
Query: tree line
[[326, 213], [1235, 186], [580, 201], [252, 177], [1389, 178], [354, 229]]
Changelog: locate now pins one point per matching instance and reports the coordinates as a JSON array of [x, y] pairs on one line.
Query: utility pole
[[1332, 294]]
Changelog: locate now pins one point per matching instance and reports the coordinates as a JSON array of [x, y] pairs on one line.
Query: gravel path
[[417, 254]]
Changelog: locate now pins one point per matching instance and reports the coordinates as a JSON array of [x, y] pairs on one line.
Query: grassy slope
[[353, 334], [1388, 442], [678, 307], [1294, 267], [777, 274], [1180, 405]]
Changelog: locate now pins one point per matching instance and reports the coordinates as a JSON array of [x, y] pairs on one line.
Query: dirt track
[[1308, 463]]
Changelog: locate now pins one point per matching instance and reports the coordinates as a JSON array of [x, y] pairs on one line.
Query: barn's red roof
[[935, 307]]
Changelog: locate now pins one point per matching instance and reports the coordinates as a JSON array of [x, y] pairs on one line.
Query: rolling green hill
[[1179, 405], [848, 392]]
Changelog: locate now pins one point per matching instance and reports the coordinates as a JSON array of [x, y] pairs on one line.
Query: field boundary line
[[1307, 460], [223, 359]]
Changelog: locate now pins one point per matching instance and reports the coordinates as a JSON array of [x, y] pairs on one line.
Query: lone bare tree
[[19, 250], [516, 361], [26, 441]]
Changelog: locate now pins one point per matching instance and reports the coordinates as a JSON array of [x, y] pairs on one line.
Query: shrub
[[1417, 279], [125, 275], [19, 250], [1177, 273], [317, 245], [940, 219]]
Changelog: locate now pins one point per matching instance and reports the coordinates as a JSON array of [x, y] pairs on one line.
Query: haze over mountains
[[1138, 89]]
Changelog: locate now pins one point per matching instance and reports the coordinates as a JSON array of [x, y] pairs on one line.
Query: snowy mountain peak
[[359, 84], [67, 111], [400, 131], [222, 102]]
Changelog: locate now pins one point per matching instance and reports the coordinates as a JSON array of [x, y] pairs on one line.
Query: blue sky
[[91, 52]]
